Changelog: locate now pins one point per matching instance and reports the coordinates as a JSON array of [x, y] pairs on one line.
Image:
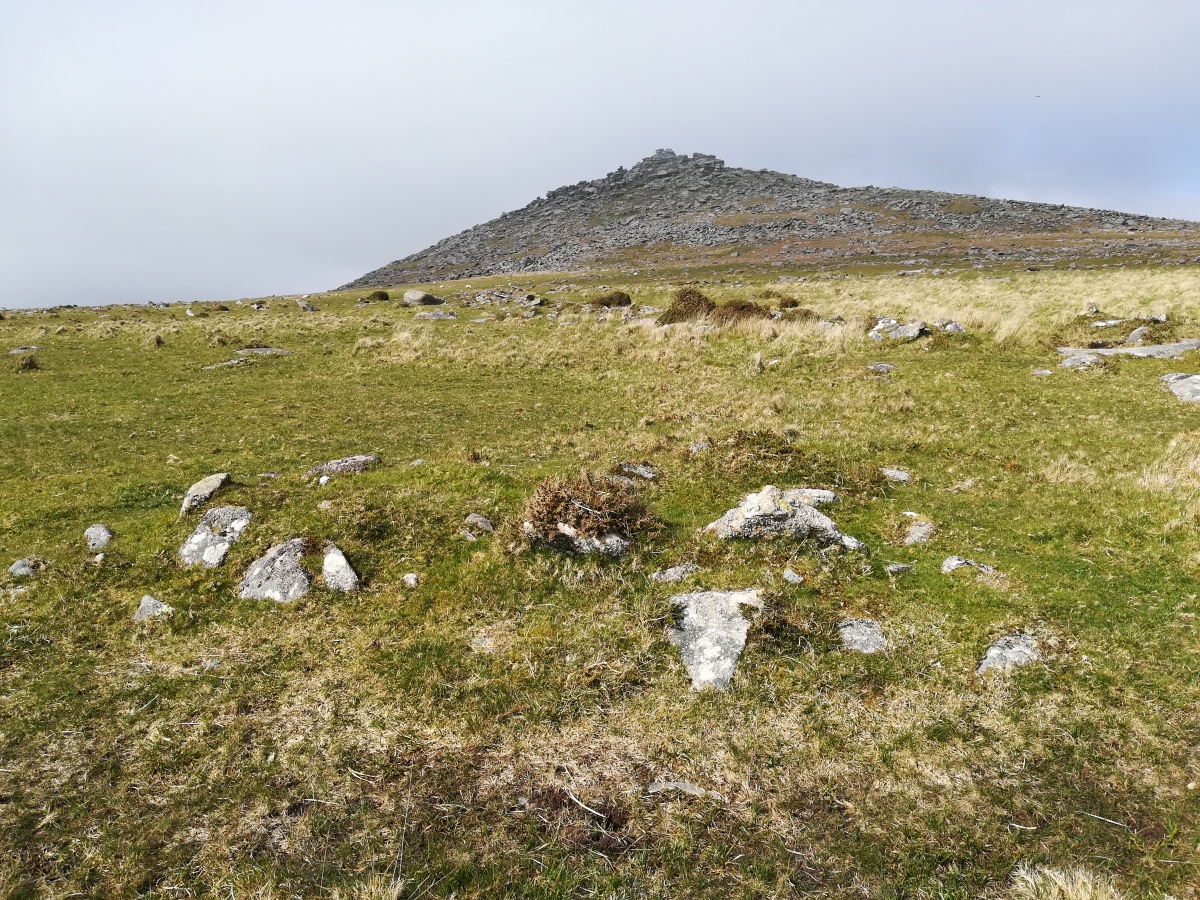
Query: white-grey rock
[[277, 575], [899, 476], [898, 569], [604, 544], [792, 577], [203, 491], [436, 315], [411, 580], [23, 350], [23, 568], [881, 368], [1146, 351], [675, 573], [151, 608], [482, 523], [957, 562], [950, 326], [1041, 373], [98, 536], [771, 512], [1185, 387], [862, 636], [305, 306], [712, 633], [1079, 361], [1138, 336], [1012, 650], [240, 361], [699, 447], [347, 465], [664, 786], [337, 572], [909, 332], [216, 533], [883, 327], [420, 298], [638, 470], [919, 533], [1109, 323]]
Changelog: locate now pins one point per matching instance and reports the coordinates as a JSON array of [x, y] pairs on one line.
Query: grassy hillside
[[495, 730]]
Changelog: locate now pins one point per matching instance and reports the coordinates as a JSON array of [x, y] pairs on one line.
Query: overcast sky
[[168, 150]]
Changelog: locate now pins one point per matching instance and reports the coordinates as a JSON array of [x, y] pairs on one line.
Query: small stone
[[792, 577], [909, 332], [210, 665], [699, 447], [411, 580], [712, 634], [949, 326], [663, 786], [420, 298], [919, 533], [1185, 387], [1041, 373], [898, 569], [604, 544], [262, 351], [325, 505], [23, 568], [897, 476], [98, 559], [1012, 650], [277, 574], [151, 608], [436, 315], [98, 537], [639, 470], [203, 491], [771, 512], [305, 306], [467, 535], [862, 636], [1138, 336], [482, 523], [881, 368], [1079, 361], [417, 462], [29, 349], [952, 563], [337, 572], [675, 573], [348, 465], [216, 533], [323, 480]]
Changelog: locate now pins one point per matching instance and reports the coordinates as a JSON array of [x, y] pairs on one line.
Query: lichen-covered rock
[[1012, 650], [712, 633], [919, 532], [898, 569], [675, 573], [216, 533], [151, 608], [24, 568], [305, 306], [337, 571], [957, 562], [436, 315], [1185, 387], [479, 522], [881, 368], [277, 575], [603, 544], [421, 298], [1138, 336], [347, 465], [98, 536], [792, 577], [1146, 351], [1079, 361], [772, 512], [949, 326], [203, 491], [638, 470], [896, 476], [862, 636]]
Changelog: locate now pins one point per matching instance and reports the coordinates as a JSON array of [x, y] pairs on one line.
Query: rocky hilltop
[[673, 210]]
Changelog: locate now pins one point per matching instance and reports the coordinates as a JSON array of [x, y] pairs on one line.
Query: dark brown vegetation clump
[[771, 294], [593, 505], [798, 314], [616, 298], [378, 296], [687, 305], [788, 303], [738, 311], [27, 363]]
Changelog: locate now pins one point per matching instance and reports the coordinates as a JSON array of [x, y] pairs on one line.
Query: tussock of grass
[[615, 298], [1062, 884], [593, 505], [687, 305], [738, 311], [26, 362]]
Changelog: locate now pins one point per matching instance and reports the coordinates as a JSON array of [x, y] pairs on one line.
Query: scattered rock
[[203, 491], [151, 608], [23, 568], [324, 480], [420, 298], [898, 476], [1185, 387], [675, 573], [604, 544], [919, 533], [348, 465], [467, 535], [893, 330], [957, 562], [1012, 650], [436, 315], [950, 326], [277, 575], [337, 572], [1147, 351], [213, 537], [712, 633], [411, 580], [862, 636], [23, 350], [305, 306], [1079, 361], [98, 536], [483, 523], [1041, 373], [263, 351], [699, 447], [898, 569], [792, 577], [881, 368], [1138, 336], [638, 470], [417, 462], [240, 361], [1109, 323], [772, 512]]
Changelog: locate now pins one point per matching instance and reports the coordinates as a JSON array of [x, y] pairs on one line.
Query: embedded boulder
[[711, 634], [421, 298], [862, 636], [203, 491], [277, 575], [24, 568], [98, 536], [151, 608], [337, 571], [1185, 387], [347, 465], [1010, 651], [216, 533], [772, 512], [675, 573], [479, 522]]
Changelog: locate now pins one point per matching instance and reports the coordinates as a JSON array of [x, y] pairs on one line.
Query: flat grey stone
[[98, 536], [1041, 373], [277, 575], [1109, 323], [919, 533], [862, 636], [151, 608], [337, 572], [482, 523], [1079, 361], [898, 569], [348, 465], [638, 470], [664, 786], [436, 315], [792, 577], [881, 368], [305, 306], [909, 332], [1138, 336], [203, 491], [23, 350], [420, 298], [898, 476], [675, 573], [262, 351], [23, 568], [712, 634], [699, 447], [1185, 387], [604, 544], [771, 512], [952, 563], [1010, 651], [950, 326], [216, 533], [1147, 351]]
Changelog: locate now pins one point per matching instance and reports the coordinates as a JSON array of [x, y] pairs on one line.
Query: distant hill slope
[[673, 210]]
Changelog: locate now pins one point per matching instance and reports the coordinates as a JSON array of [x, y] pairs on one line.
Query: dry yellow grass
[[1062, 884]]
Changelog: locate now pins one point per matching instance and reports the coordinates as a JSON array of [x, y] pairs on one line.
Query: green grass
[[358, 746]]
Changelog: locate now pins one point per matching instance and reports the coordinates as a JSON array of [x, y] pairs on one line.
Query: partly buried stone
[[436, 315], [919, 532], [573, 542], [893, 330], [898, 476], [1041, 373], [675, 573], [950, 326], [1010, 651], [1185, 387], [645, 471], [98, 536], [1079, 361], [862, 636], [24, 568], [1138, 336], [412, 580], [208, 544], [792, 577], [482, 523], [203, 491], [712, 633], [305, 306], [898, 569], [952, 563], [337, 572], [881, 368], [348, 465], [771, 512], [420, 298], [1142, 351], [277, 575], [151, 608]]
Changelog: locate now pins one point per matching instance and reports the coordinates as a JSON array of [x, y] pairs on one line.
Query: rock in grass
[[436, 315], [1185, 387], [203, 491], [421, 298], [772, 512], [1146, 351], [411, 580], [24, 568], [482, 523], [611, 544], [675, 573], [98, 536], [305, 306], [213, 537], [792, 577], [862, 636], [1138, 336], [893, 330], [1079, 361], [952, 563], [898, 569], [712, 634], [881, 368], [1041, 373], [896, 476], [1012, 650], [23, 350], [277, 575], [919, 533], [349, 465], [151, 608], [949, 326], [262, 351], [337, 572], [638, 470]]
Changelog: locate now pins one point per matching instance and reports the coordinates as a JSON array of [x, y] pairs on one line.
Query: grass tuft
[[687, 305]]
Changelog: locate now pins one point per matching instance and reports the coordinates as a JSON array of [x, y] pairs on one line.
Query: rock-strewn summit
[[672, 210]]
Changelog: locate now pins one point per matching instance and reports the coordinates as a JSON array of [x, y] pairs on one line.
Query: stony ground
[[483, 719]]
